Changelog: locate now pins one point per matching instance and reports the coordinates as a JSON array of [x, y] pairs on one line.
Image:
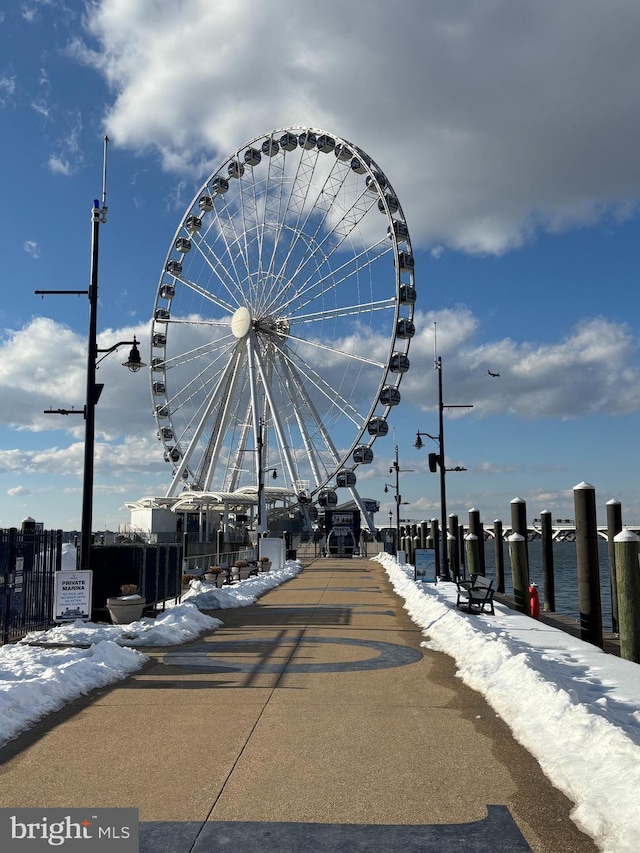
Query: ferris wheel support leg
[[363, 509], [308, 526]]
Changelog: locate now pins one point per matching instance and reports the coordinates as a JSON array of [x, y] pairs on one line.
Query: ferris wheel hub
[[273, 325], [241, 322]]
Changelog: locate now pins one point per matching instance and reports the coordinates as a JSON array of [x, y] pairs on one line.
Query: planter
[[265, 565], [211, 577], [125, 609]]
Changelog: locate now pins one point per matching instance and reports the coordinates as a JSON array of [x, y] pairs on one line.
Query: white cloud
[[30, 12], [492, 468], [43, 366], [41, 107], [68, 157], [59, 166], [7, 88], [126, 457], [591, 371], [31, 248], [19, 492], [491, 121]]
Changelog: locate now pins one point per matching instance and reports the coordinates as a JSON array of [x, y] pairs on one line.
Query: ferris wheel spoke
[[296, 206], [345, 311], [193, 327], [259, 233], [195, 387], [327, 194], [223, 228], [329, 393], [315, 461], [363, 260], [228, 279], [342, 229], [212, 351], [316, 289], [233, 471], [201, 425], [212, 421], [211, 297], [245, 202], [275, 415], [226, 415], [259, 215], [275, 218], [230, 276], [335, 351]]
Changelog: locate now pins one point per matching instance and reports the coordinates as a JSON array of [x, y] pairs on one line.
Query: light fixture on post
[[437, 461], [134, 362], [93, 388]]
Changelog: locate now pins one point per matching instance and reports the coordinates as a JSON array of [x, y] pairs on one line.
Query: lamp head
[[419, 444], [134, 362]]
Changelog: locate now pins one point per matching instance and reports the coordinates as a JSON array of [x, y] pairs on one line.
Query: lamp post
[[261, 525], [93, 388], [395, 467], [437, 461]]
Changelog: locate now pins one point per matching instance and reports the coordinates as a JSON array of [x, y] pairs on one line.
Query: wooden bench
[[477, 593]]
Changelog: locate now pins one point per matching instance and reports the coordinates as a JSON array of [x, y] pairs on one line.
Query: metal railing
[[28, 563], [197, 563]]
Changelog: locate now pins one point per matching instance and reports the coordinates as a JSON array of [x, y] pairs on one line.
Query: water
[[565, 566]]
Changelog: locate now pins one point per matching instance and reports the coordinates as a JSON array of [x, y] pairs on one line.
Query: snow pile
[[34, 683], [207, 597], [575, 708], [47, 669]]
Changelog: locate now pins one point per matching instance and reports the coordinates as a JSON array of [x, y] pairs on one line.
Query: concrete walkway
[[313, 721]]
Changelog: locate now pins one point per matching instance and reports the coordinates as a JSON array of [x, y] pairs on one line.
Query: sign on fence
[[72, 599], [425, 566]]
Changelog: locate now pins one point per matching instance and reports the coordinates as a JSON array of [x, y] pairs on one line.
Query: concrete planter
[[124, 609]]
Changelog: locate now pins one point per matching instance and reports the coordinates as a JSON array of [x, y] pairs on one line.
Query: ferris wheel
[[282, 319]]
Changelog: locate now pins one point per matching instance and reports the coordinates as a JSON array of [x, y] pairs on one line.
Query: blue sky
[[510, 133]]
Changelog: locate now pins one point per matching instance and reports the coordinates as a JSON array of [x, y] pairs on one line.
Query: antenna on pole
[[103, 211], [435, 345]]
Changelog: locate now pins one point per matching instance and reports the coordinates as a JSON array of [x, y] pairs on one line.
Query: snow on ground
[[575, 708], [47, 669]]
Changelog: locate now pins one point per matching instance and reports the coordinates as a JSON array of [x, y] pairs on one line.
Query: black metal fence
[[30, 559], [28, 562], [155, 569]]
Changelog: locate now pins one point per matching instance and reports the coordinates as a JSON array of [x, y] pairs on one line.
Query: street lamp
[[93, 388], [437, 460], [396, 467]]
